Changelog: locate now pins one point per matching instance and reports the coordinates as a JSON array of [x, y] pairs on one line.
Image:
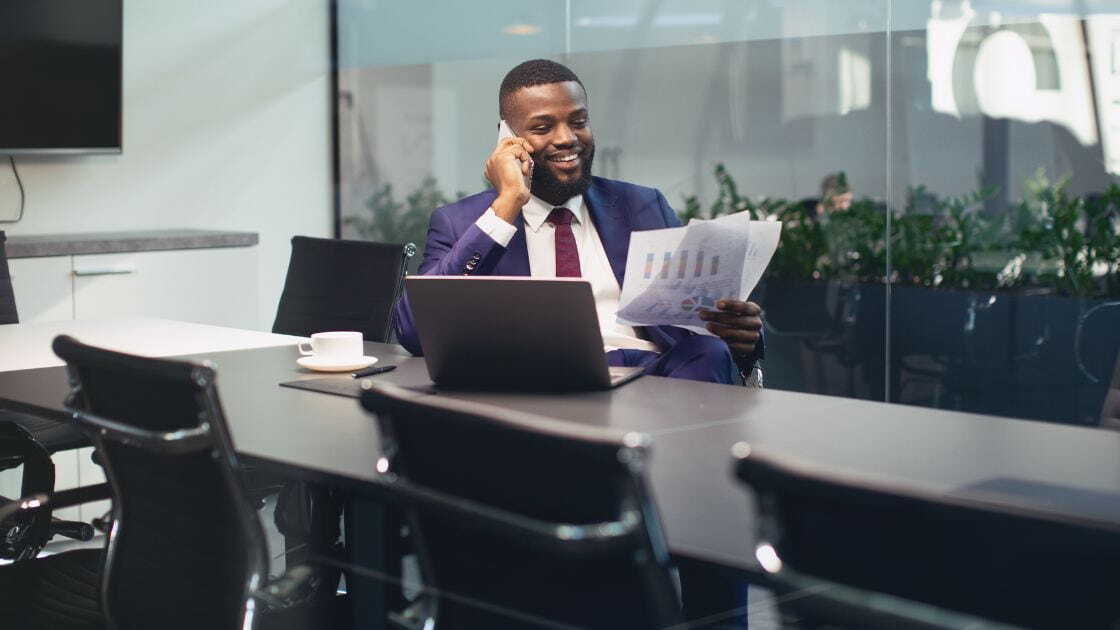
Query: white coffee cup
[[336, 346]]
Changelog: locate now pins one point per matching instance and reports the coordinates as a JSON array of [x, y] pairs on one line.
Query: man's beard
[[545, 186]]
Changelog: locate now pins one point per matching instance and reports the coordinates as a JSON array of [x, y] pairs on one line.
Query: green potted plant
[[997, 299], [391, 221]]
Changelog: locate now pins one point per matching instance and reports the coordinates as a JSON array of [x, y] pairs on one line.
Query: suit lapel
[[614, 226], [611, 222]]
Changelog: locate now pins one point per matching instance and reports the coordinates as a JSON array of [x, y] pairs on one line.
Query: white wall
[[226, 126]]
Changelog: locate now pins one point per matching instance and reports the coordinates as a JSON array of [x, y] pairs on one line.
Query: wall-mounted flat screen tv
[[60, 76]]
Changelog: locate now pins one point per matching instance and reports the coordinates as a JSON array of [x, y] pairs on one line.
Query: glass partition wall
[[944, 169], [1004, 279]]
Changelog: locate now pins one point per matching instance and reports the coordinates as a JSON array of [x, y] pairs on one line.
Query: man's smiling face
[[553, 117]]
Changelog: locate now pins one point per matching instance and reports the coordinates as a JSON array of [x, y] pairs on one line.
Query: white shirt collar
[[536, 211]]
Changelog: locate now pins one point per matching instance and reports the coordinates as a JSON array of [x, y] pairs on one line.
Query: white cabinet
[[205, 286], [215, 286], [43, 288]]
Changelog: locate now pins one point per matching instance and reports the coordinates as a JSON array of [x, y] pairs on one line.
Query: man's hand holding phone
[[509, 169]]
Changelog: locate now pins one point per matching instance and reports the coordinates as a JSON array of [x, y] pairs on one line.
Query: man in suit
[[548, 217]]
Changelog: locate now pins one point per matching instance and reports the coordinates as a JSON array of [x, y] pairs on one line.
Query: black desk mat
[[347, 385]]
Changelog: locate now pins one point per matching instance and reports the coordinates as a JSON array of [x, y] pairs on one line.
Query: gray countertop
[[39, 245]]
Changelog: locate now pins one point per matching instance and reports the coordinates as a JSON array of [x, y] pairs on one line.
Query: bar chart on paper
[[684, 265], [672, 274]]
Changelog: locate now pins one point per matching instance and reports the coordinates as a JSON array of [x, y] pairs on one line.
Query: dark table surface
[[1069, 472]]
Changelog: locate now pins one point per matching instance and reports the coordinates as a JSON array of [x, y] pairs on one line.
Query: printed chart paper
[[674, 273]]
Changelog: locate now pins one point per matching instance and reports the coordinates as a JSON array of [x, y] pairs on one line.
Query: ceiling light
[[521, 29]]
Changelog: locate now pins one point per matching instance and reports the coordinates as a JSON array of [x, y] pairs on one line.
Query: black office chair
[[28, 440], [335, 284], [518, 518], [186, 549], [56, 592], [862, 554], [332, 284], [24, 537]]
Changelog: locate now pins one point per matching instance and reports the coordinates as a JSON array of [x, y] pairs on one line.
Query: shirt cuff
[[494, 227]]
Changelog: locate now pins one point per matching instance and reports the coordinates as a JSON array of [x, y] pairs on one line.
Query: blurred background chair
[[187, 549], [335, 284], [516, 520], [855, 553], [816, 336], [55, 592], [23, 536]]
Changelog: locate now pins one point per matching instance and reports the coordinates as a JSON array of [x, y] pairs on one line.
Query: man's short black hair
[[530, 73]]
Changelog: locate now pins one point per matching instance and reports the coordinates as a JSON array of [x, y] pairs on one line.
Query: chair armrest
[[564, 538], [172, 442], [864, 608]]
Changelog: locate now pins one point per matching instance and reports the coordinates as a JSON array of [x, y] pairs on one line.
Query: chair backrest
[[335, 284], [8, 312], [934, 555], [520, 518], [1110, 411], [186, 550]]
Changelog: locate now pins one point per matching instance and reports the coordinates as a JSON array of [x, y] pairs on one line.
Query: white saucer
[[322, 365]]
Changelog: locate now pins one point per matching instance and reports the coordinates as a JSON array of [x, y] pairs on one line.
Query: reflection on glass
[[1005, 245], [1029, 72], [987, 205], [1104, 46]]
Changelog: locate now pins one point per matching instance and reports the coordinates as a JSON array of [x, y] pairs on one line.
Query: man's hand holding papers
[[698, 277]]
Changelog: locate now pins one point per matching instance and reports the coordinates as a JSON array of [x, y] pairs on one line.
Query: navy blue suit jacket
[[457, 247]]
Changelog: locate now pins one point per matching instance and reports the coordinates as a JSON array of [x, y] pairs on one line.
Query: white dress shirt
[[540, 239]]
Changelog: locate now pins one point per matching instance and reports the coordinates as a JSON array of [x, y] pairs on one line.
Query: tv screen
[[60, 76]]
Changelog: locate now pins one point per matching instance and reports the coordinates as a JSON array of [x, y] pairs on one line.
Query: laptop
[[512, 332]]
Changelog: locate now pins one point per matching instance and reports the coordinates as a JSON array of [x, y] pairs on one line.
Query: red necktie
[[567, 256]]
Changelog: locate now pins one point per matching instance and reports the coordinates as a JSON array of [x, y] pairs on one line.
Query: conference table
[[1033, 467]]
